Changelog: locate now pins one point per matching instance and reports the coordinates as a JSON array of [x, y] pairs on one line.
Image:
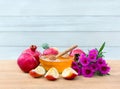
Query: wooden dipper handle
[[67, 50]]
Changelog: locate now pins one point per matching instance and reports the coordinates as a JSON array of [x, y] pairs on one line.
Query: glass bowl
[[60, 63]]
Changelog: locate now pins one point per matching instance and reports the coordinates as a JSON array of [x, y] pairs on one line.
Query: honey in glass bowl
[[60, 63]]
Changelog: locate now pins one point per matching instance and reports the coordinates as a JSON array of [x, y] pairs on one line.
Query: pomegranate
[[76, 51], [33, 51], [29, 59], [50, 51]]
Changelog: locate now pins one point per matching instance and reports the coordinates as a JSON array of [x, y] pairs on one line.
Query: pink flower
[[93, 55], [76, 67], [93, 51], [74, 64], [94, 66], [100, 61], [90, 64], [87, 71], [83, 59], [104, 69]]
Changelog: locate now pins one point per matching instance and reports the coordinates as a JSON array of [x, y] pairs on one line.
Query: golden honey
[[60, 63]]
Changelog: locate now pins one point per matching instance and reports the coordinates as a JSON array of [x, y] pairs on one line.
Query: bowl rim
[[66, 59]]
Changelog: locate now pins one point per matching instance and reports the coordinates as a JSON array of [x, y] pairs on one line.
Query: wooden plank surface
[[15, 42], [87, 23], [11, 77], [59, 23], [59, 7], [64, 39]]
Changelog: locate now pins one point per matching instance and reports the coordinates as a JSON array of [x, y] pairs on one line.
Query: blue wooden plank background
[[61, 23]]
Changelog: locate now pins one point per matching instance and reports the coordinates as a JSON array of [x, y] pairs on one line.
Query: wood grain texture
[[59, 7], [59, 38], [60, 23], [11, 77], [13, 43]]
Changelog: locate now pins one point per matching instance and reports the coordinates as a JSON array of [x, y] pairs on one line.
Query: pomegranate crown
[[33, 47]]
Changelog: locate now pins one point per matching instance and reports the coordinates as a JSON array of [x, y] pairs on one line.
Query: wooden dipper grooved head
[[63, 53]]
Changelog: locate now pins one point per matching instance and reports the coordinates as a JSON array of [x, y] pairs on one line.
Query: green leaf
[[101, 48], [45, 45], [100, 54], [99, 73]]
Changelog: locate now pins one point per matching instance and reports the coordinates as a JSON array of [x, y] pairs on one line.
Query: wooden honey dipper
[[63, 53]]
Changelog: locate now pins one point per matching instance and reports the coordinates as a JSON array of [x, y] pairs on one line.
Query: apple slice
[[52, 74], [69, 73], [37, 72]]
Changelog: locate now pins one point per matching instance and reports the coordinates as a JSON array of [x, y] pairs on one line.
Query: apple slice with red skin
[[52, 74], [69, 73], [37, 72]]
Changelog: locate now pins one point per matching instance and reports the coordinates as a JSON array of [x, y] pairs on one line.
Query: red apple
[[52, 74], [37, 72], [69, 73]]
